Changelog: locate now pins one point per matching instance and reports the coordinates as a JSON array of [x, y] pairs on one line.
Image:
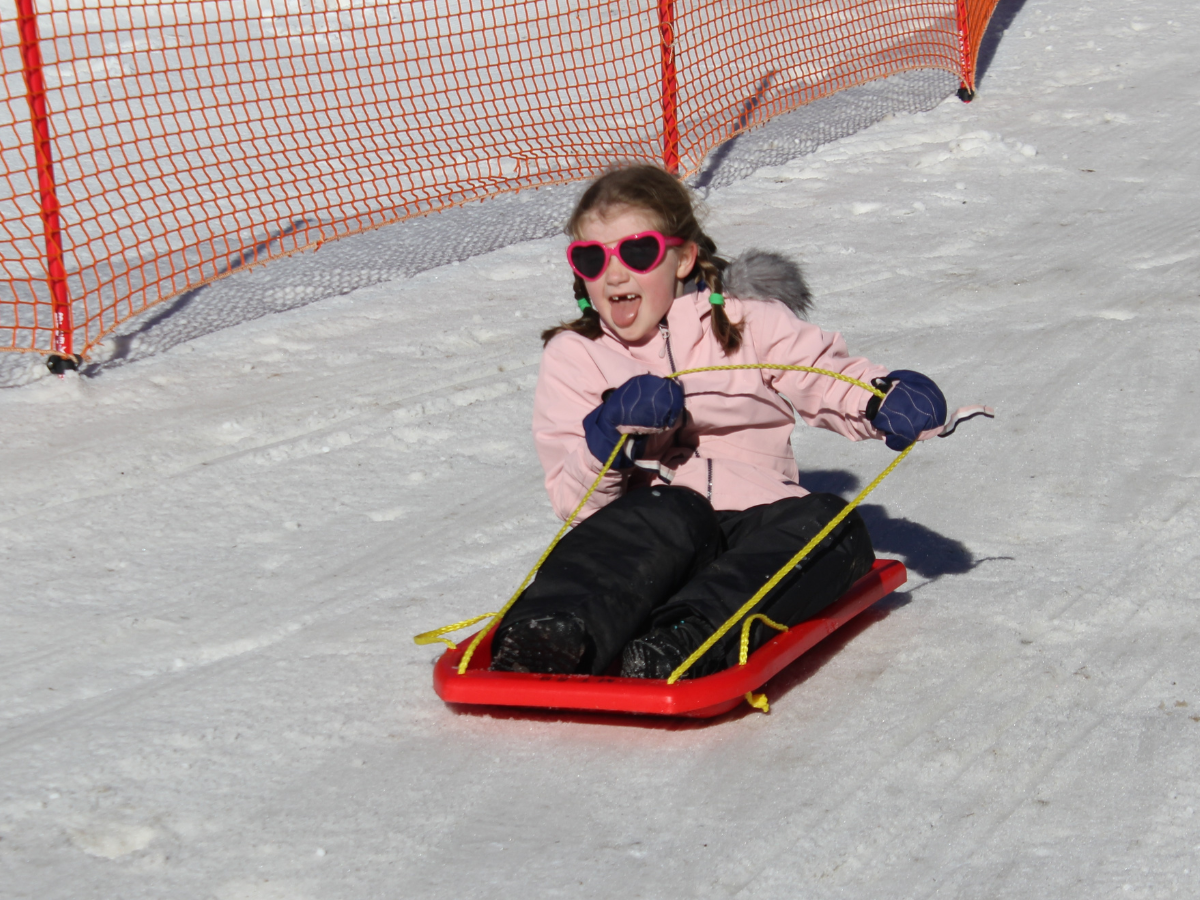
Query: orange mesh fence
[[149, 148]]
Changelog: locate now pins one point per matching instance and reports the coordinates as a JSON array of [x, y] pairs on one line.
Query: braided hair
[[667, 200]]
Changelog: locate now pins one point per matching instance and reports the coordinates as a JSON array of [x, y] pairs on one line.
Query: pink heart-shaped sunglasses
[[639, 253]]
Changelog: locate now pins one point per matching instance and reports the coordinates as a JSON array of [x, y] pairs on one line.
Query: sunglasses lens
[[588, 260], [640, 254]]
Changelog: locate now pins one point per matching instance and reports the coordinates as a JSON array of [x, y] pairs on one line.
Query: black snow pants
[[658, 555]]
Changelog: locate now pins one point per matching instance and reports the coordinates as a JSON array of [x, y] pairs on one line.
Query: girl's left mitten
[[913, 405], [645, 404]]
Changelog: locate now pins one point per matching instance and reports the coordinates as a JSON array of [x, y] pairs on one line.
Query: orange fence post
[[56, 275], [973, 18], [670, 86], [966, 90]]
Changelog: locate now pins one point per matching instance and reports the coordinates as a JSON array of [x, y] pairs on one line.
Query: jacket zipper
[[666, 350]]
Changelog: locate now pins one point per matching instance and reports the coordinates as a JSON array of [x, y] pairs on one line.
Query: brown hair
[[667, 200]]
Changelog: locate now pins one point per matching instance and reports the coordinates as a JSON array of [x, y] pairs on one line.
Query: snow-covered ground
[[214, 559]]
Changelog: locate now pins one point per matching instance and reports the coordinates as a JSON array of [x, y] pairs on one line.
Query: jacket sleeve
[[569, 386], [780, 336]]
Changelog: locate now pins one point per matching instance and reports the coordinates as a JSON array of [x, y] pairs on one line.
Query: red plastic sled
[[698, 698]]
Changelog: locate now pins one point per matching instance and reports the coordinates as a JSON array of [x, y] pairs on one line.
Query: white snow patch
[[111, 840], [1168, 260], [388, 515]]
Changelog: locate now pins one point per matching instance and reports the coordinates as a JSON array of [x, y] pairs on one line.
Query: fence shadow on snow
[[1002, 18]]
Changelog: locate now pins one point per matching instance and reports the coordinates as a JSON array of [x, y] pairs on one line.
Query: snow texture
[[215, 557]]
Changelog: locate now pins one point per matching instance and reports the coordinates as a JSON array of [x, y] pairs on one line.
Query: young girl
[[703, 504]]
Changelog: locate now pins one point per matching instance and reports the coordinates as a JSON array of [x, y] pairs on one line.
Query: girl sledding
[[693, 503]]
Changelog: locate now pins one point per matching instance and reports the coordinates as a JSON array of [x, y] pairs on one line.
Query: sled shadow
[[810, 663]]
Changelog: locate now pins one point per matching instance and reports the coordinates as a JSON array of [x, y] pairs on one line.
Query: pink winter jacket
[[734, 443]]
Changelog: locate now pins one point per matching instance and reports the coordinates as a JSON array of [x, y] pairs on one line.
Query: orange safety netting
[[151, 148]]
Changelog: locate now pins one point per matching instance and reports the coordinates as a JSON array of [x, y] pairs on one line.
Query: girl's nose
[[616, 271]]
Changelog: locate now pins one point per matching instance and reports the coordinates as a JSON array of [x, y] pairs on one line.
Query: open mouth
[[624, 308]]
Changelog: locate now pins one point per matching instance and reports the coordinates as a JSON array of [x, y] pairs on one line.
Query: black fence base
[[59, 364]]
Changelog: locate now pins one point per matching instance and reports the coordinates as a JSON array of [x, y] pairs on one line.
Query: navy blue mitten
[[645, 404], [914, 404]]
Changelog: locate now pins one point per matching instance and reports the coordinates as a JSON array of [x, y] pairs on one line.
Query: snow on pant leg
[[618, 565], [760, 540]]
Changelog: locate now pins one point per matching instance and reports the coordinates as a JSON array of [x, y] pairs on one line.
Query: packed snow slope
[[214, 559]]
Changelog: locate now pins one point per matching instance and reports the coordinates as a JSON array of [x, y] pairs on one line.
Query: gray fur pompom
[[763, 275]]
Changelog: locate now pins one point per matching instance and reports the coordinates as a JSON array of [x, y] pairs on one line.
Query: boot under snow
[[661, 651], [550, 645]]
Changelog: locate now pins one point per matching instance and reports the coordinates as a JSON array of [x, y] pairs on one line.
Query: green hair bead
[[716, 299], [584, 303]]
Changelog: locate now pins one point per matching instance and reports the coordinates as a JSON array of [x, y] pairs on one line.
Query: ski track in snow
[[215, 558]]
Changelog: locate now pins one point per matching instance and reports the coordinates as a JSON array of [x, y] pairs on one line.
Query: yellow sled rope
[[758, 701]]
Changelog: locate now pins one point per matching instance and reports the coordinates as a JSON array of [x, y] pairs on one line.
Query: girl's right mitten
[[645, 404]]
